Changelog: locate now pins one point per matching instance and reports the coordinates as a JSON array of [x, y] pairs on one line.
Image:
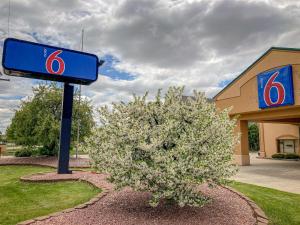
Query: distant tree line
[[37, 121]]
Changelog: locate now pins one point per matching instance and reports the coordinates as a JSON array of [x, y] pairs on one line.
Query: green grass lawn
[[282, 208], [21, 201]]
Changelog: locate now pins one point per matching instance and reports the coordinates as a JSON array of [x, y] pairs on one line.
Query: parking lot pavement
[[277, 174]]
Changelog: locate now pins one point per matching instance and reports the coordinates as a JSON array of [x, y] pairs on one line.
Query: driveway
[[277, 174]]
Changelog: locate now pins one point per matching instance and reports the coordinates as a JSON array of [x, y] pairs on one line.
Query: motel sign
[[275, 88], [33, 60]]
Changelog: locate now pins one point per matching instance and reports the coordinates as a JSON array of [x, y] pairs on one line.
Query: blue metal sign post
[[275, 88], [33, 60], [65, 130]]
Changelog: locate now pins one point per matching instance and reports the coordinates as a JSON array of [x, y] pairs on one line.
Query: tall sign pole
[[65, 130]]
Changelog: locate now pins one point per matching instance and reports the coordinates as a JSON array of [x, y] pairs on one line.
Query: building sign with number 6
[[275, 88], [33, 60], [52, 58]]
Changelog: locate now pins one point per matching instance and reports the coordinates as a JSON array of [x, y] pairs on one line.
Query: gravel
[[127, 207]]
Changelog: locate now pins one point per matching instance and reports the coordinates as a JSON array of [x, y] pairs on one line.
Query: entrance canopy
[[267, 91]]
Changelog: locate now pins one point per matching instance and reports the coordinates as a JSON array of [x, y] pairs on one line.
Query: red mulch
[[127, 207]]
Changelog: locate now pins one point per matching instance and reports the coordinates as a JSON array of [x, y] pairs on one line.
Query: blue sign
[[275, 88], [28, 59]]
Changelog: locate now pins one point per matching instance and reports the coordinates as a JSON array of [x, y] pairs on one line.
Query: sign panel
[[275, 88], [33, 60]]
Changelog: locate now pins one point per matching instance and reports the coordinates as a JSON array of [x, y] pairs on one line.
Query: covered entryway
[[267, 92]]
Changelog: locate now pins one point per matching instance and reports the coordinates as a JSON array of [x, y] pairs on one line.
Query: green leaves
[[37, 121], [253, 134]]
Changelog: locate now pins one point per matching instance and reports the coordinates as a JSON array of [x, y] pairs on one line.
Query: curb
[[77, 207], [258, 213]]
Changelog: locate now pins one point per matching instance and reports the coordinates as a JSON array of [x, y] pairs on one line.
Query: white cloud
[[167, 42]]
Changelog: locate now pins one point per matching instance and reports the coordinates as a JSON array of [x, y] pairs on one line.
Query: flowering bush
[[166, 147]]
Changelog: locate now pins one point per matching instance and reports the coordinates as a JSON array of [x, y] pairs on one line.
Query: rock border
[[258, 213], [30, 179]]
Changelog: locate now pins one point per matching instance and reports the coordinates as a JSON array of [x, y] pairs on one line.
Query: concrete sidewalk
[[277, 174]]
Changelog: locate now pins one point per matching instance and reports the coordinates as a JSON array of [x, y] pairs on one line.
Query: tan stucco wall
[[242, 94], [270, 132]]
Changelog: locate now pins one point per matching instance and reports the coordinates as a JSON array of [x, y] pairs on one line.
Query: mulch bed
[[43, 161], [129, 207]]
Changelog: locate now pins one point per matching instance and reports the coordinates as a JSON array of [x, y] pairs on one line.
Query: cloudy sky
[[151, 44]]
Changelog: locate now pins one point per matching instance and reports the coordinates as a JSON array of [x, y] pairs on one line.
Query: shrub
[[291, 156], [46, 151], [35, 152], [166, 147], [278, 156], [23, 153], [285, 156]]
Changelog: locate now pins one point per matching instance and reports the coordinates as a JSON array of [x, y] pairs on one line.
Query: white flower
[[166, 147]]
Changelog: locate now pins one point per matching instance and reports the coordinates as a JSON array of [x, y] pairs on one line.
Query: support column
[[262, 151], [65, 130], [242, 149]]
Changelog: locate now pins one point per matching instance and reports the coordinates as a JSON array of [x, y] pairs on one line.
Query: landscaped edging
[[29, 178], [258, 213]]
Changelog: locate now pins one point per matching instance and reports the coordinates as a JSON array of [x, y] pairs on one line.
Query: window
[[287, 146]]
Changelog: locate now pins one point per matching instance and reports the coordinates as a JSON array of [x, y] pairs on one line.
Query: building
[[278, 138], [267, 92]]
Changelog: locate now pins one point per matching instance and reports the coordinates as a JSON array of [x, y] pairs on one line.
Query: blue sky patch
[[224, 83], [11, 97], [108, 69], [48, 40]]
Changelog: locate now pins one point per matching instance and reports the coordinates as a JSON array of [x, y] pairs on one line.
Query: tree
[[166, 147], [37, 121], [253, 135]]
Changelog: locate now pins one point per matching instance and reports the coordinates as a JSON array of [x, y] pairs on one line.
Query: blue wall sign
[[275, 88], [28, 59]]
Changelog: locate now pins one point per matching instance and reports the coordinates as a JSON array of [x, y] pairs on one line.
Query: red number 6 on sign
[[280, 91], [54, 57]]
